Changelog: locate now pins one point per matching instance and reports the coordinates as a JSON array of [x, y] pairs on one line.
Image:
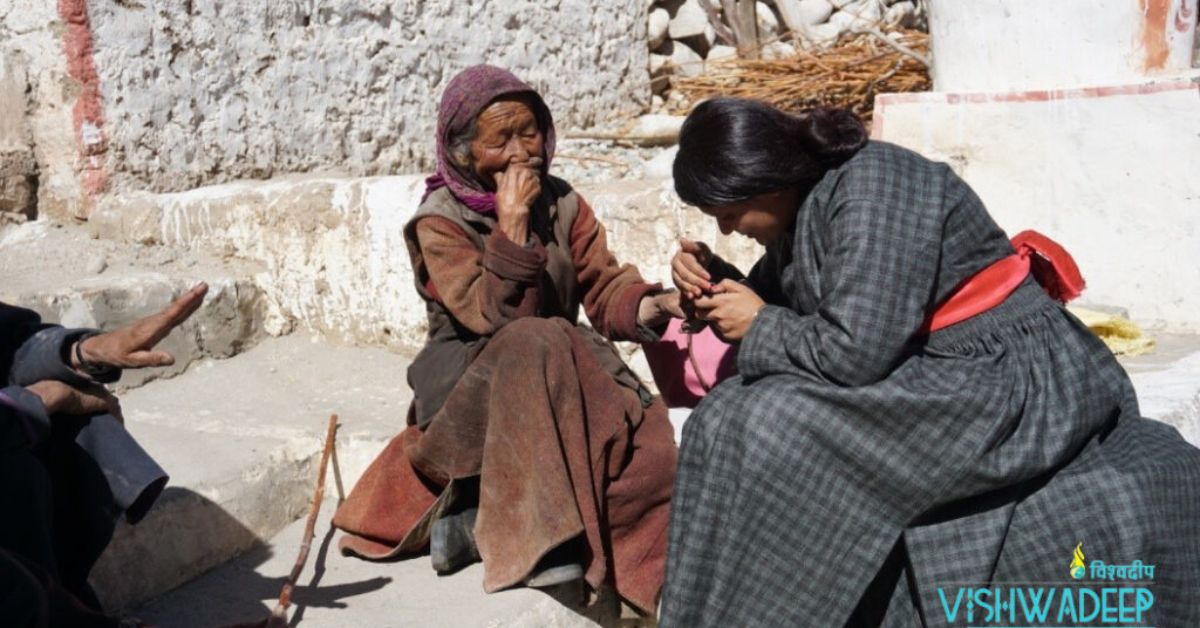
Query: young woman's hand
[[516, 189], [655, 310], [731, 309], [689, 268]]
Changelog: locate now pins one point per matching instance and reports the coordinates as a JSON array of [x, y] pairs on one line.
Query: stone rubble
[[689, 43]]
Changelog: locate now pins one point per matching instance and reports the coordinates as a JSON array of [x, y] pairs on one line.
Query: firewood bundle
[[848, 74]]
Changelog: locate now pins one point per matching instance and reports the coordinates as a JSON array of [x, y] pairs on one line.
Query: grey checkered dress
[[856, 465]]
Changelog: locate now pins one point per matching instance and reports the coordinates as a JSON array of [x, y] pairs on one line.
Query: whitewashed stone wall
[[36, 102], [195, 93]]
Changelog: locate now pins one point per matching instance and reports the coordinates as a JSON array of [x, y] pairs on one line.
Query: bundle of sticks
[[847, 74]]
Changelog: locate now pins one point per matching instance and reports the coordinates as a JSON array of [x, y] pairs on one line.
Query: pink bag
[[683, 380]]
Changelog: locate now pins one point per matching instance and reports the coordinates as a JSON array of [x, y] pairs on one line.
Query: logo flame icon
[[1077, 562]]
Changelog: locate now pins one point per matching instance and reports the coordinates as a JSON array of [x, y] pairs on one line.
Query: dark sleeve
[[23, 419], [877, 285], [16, 326], [612, 292], [719, 269], [763, 277], [483, 290], [44, 355]]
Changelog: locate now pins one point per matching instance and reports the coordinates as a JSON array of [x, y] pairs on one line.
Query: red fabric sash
[[1049, 262]]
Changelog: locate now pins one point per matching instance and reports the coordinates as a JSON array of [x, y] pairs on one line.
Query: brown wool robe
[[563, 437]]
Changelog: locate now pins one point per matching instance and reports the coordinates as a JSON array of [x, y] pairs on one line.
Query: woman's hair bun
[[831, 136]]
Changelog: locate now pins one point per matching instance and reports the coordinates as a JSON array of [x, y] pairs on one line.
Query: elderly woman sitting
[[528, 440]]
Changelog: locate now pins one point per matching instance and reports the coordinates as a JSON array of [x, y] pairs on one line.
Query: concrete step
[[240, 438], [1168, 382], [335, 591], [71, 278], [256, 473]]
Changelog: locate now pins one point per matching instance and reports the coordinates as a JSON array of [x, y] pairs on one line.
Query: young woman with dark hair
[[914, 415]]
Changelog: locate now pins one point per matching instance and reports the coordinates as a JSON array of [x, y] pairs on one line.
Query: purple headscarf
[[467, 95]]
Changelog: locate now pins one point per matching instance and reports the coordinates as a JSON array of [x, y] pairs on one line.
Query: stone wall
[[18, 182], [36, 101], [170, 95]]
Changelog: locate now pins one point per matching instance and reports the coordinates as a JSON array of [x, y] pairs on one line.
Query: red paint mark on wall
[[88, 113], [1154, 32]]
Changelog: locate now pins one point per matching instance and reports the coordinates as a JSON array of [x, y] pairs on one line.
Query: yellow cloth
[[1122, 335]]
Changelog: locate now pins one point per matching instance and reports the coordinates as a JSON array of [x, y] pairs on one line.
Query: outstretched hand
[[132, 346], [731, 309]]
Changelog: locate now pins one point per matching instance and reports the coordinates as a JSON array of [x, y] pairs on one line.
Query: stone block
[[134, 217], [718, 53], [18, 170], [805, 13], [903, 14], [656, 27], [660, 166], [685, 61], [656, 129], [778, 50], [858, 16], [768, 24], [18, 183], [689, 21], [229, 322], [823, 34]]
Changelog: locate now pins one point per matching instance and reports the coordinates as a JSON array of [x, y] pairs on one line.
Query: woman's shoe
[[452, 541], [553, 576], [559, 566]]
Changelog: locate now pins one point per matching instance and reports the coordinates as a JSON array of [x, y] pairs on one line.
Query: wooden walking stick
[[279, 616]]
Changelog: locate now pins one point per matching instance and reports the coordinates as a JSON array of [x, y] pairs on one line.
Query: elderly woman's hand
[[658, 309], [516, 188], [731, 309], [689, 268]]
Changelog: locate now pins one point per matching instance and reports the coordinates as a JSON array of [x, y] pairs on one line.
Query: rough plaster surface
[[1003, 45], [17, 167], [198, 92], [1108, 172], [32, 42], [171, 95]]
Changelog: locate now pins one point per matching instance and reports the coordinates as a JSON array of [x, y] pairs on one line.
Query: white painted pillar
[[1019, 45]]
